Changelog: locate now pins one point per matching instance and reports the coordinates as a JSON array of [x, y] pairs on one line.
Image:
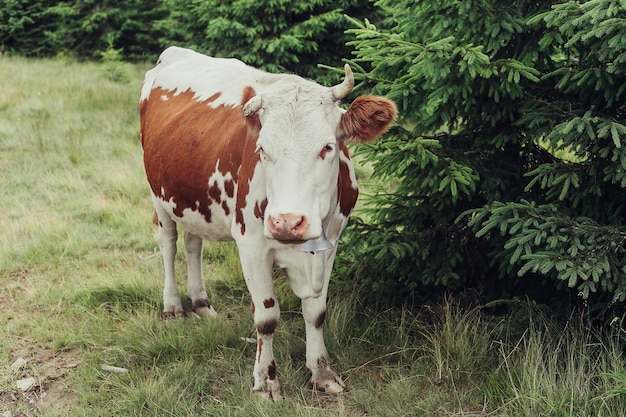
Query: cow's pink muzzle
[[288, 227]]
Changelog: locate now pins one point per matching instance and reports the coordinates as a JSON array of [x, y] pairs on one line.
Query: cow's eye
[[330, 147]]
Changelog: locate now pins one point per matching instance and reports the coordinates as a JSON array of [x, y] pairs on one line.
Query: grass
[[80, 286]]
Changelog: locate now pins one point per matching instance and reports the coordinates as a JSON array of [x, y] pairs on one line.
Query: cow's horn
[[252, 106], [342, 90]]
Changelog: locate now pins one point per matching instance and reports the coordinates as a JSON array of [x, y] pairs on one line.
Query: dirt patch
[[47, 372]]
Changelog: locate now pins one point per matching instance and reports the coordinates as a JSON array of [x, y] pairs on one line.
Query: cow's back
[[194, 136]]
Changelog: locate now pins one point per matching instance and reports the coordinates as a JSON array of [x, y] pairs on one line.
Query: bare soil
[[51, 391]]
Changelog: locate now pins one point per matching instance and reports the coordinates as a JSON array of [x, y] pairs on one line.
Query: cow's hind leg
[[166, 238], [195, 283], [323, 378]]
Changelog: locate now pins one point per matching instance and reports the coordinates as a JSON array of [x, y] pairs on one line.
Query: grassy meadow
[[80, 286]]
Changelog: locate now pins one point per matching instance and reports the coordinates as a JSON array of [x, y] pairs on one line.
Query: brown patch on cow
[[319, 322], [253, 307], [184, 140], [243, 188], [271, 371], [253, 126], [367, 118], [347, 192], [259, 209], [269, 303], [259, 348], [215, 192], [229, 187], [239, 220], [267, 327]]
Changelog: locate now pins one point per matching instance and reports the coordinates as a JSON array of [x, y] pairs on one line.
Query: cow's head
[[302, 130]]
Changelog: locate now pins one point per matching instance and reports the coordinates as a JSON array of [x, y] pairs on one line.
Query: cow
[[235, 153]]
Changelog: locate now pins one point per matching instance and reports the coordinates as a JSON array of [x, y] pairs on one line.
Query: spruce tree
[[506, 170], [83, 28], [277, 35], [30, 28], [133, 26]]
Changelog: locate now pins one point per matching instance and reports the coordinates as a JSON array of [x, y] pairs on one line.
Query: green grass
[[81, 282]]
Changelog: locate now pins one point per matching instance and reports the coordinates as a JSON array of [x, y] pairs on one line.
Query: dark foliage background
[[276, 35]]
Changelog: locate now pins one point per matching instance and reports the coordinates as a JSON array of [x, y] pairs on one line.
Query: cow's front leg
[[195, 283], [166, 238], [323, 378], [258, 276], [266, 317]]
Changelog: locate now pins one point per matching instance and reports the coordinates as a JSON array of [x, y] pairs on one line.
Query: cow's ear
[[250, 110], [253, 105], [367, 118]]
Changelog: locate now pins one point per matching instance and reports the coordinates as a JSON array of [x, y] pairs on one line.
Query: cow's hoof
[[203, 308], [329, 386], [269, 395], [172, 312], [208, 312]]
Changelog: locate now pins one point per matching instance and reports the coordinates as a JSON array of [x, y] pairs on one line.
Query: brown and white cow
[[235, 153]]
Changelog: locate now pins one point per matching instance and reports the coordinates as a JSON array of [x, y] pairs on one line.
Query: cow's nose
[[287, 226]]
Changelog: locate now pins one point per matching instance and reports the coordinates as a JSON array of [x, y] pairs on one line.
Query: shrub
[[507, 160]]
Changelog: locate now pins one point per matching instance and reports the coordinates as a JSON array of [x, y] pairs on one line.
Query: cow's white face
[[298, 149]]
